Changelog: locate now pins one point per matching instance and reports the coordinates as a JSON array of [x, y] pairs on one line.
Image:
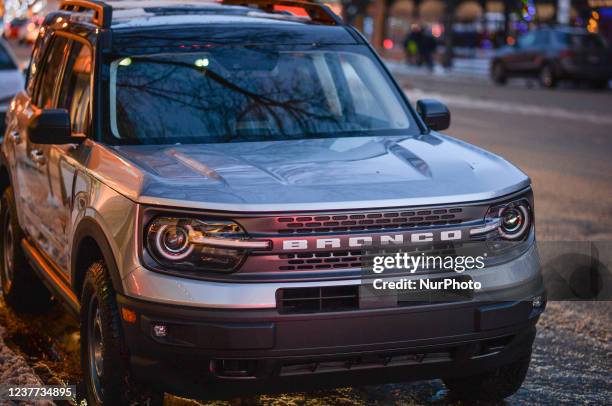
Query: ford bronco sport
[[200, 183]]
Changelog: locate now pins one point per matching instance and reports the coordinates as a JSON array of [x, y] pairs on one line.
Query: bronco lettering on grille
[[363, 241]]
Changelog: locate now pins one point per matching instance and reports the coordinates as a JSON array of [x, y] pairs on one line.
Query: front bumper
[[215, 354], [567, 70]]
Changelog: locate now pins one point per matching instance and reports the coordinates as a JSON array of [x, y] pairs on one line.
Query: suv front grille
[[344, 260], [368, 221]]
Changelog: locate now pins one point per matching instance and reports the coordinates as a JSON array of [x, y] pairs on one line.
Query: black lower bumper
[[218, 353], [583, 72]]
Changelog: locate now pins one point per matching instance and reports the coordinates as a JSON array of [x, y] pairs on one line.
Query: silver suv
[[203, 184]]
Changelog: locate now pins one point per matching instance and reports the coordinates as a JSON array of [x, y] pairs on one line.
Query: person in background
[[412, 45], [427, 47]]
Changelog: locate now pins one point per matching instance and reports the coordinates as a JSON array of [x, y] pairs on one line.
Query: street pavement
[[562, 139]]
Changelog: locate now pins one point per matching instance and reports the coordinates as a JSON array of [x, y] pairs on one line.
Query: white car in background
[[11, 80]]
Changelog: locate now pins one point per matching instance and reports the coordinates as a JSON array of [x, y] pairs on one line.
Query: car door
[[31, 173], [537, 54], [518, 61], [74, 96]]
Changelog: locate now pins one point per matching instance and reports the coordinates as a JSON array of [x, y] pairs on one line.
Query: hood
[[315, 174]]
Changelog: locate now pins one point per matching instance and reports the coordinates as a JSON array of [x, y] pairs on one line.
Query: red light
[[297, 11], [128, 315], [388, 43], [566, 54]]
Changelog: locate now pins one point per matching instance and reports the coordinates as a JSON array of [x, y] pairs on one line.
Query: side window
[[35, 60], [364, 102], [542, 39], [45, 94], [76, 87], [527, 40]]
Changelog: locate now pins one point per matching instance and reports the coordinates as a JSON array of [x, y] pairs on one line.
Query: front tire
[[547, 77], [104, 356], [498, 73], [494, 385], [21, 287]]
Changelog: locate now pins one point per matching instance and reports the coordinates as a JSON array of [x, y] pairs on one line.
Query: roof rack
[[317, 12], [102, 12]]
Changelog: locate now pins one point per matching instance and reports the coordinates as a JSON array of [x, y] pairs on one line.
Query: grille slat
[[352, 259], [367, 221]]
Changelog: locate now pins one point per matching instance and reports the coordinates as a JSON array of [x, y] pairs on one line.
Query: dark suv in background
[[556, 54]]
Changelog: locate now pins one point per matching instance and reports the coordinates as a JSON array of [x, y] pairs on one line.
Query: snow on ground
[[14, 370]]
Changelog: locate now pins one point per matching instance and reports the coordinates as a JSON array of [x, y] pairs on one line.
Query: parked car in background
[[556, 54], [11, 29], [11, 80], [29, 32]]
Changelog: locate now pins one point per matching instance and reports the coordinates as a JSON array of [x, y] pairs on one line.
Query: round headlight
[[514, 221], [197, 244], [172, 241]]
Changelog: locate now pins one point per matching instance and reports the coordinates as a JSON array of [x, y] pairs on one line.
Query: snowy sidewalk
[[14, 370], [473, 67]]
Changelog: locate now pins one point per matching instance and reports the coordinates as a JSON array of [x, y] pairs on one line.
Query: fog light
[[537, 302], [128, 315], [160, 330]]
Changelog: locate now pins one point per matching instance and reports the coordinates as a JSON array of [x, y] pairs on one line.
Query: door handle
[[15, 137], [37, 156]]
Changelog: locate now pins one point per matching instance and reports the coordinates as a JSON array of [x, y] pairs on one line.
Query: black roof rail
[[317, 12], [102, 12]]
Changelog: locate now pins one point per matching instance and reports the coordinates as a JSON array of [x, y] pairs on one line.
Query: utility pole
[[507, 10], [449, 19], [563, 12], [379, 23]]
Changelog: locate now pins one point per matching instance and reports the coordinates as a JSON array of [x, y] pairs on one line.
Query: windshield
[[233, 94]]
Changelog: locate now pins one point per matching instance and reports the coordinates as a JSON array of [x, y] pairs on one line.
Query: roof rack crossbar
[[102, 12], [317, 12]]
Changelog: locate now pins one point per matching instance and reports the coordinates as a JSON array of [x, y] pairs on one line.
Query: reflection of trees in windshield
[[218, 98]]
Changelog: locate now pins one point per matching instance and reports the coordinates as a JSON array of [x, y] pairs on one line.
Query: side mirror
[[434, 114], [51, 126]]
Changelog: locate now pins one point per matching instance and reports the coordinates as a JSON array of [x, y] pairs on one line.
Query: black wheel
[[104, 356], [498, 73], [547, 77], [494, 385], [598, 84], [21, 287]]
